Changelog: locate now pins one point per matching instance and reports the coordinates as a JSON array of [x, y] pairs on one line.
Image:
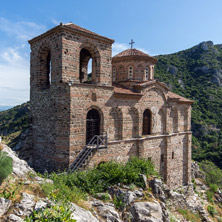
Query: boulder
[[106, 211], [127, 196], [20, 167], [158, 189], [109, 213], [196, 172], [4, 206], [26, 205], [14, 218], [82, 215], [146, 211]]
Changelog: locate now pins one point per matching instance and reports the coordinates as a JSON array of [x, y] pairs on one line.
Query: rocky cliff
[[154, 203]]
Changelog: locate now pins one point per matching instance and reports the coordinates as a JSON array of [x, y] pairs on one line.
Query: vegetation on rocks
[[75, 186], [5, 166]]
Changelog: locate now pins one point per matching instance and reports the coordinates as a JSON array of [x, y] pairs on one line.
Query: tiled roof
[[121, 90], [70, 27], [130, 52], [76, 27], [172, 95]]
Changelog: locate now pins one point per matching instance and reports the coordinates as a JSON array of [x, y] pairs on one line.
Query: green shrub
[[47, 188], [210, 195], [105, 197], [213, 173], [63, 189], [97, 180], [118, 202], [211, 209], [5, 166], [214, 188], [56, 212]]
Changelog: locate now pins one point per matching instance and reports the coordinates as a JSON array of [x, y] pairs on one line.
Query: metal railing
[[97, 142]]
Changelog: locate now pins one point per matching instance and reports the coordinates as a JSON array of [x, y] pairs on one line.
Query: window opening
[[147, 122], [114, 74], [172, 155], [130, 72], [89, 70], [147, 73], [92, 124], [162, 157], [86, 67]]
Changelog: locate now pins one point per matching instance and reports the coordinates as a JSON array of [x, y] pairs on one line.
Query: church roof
[[122, 90], [78, 28], [131, 52], [72, 28], [172, 95], [134, 53]]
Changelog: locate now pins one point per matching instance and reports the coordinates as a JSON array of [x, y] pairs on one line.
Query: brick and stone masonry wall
[[59, 111]]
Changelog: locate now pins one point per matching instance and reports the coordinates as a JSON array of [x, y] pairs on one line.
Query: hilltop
[[196, 74]]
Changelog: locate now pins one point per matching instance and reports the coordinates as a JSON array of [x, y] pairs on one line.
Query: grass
[[190, 216]]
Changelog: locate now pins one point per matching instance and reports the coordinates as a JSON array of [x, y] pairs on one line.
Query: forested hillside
[[13, 122], [196, 73]]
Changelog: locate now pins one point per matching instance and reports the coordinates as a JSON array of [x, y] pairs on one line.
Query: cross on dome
[[131, 43]]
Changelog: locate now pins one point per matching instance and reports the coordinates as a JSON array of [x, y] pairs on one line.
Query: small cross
[[131, 43]]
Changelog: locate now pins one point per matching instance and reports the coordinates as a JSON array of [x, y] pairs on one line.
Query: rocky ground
[[156, 203]]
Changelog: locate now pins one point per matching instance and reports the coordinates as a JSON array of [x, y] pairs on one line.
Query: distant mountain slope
[[196, 73], [13, 122]]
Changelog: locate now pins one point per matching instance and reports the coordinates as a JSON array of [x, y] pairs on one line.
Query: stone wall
[[60, 101]]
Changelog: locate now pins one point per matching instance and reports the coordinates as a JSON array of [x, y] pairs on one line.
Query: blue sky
[[157, 27]]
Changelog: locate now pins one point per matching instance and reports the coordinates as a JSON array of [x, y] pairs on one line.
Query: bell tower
[[59, 65]]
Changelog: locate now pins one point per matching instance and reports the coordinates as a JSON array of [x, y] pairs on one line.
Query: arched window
[[86, 67], [114, 74], [135, 121], [44, 78], [116, 124], [130, 72], [92, 124], [147, 122], [147, 73]]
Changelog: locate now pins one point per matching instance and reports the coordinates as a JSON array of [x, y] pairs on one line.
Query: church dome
[[133, 65], [131, 52], [134, 53]]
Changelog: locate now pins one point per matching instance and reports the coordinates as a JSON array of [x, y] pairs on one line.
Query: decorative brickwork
[[121, 97]]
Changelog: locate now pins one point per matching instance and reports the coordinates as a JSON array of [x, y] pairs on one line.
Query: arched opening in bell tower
[[85, 76]]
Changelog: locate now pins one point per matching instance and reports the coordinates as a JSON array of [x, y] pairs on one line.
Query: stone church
[[118, 111]]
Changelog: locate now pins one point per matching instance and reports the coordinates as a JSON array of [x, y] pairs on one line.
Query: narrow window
[[89, 70], [162, 158], [49, 75], [86, 67], [130, 72], [147, 122], [45, 69], [172, 155], [147, 73], [114, 74]]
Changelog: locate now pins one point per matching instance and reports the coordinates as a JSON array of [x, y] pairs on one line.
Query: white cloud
[[21, 30], [14, 76], [55, 21], [14, 60], [119, 47]]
